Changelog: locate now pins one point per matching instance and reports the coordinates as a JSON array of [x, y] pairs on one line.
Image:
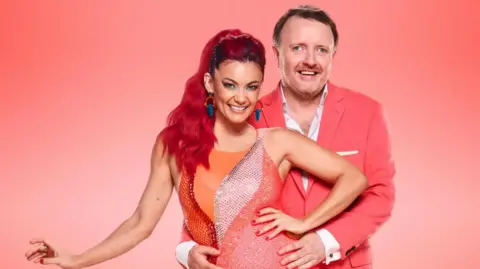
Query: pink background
[[86, 85]]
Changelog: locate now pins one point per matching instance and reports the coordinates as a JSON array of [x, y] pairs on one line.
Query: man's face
[[305, 55]]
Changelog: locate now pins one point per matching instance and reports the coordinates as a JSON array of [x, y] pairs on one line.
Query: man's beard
[[306, 95]]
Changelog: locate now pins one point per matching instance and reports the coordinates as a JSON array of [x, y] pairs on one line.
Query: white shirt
[[332, 247]]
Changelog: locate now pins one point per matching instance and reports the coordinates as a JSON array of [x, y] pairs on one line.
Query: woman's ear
[[208, 82]]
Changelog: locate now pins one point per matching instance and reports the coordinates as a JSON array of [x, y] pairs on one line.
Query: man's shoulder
[[269, 97], [352, 98], [355, 99]]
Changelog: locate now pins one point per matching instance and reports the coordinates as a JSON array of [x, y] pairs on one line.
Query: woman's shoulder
[[279, 138], [277, 133], [159, 144], [159, 150], [162, 156]]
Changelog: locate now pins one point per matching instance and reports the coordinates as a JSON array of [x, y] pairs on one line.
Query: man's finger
[[308, 265], [213, 266], [302, 261], [290, 258], [208, 251], [292, 247], [293, 256]]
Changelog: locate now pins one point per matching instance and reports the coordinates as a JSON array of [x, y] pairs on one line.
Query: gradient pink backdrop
[[86, 85]]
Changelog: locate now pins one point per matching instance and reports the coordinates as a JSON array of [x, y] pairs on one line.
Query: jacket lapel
[[332, 114], [273, 110]]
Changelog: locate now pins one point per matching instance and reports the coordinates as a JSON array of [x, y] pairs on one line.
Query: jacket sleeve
[[374, 206]]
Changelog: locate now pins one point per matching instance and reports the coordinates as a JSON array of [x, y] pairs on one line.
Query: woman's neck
[[233, 137], [230, 130]]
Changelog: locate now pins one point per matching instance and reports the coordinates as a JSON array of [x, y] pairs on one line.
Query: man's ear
[[276, 56]]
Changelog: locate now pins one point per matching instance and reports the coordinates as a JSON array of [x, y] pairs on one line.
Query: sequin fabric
[[199, 225], [237, 189], [253, 184]]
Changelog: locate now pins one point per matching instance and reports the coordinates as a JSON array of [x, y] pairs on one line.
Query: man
[[344, 121]]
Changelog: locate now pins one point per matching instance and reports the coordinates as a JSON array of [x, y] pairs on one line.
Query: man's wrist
[[331, 246], [182, 251]]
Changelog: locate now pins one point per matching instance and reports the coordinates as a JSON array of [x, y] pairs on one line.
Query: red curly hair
[[189, 135]]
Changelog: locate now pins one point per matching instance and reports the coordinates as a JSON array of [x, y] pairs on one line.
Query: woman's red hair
[[189, 135]]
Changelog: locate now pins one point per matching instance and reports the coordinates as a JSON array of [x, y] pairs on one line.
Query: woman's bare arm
[[325, 165], [140, 225]]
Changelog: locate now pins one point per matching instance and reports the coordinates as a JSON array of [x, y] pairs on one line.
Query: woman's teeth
[[238, 108]]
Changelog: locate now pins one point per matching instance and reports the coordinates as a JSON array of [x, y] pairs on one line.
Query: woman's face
[[236, 88]]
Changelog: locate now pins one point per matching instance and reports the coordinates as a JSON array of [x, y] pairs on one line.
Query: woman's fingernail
[[41, 261], [257, 232]]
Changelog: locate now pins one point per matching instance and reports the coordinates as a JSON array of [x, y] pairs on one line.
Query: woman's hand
[[44, 253], [275, 222]]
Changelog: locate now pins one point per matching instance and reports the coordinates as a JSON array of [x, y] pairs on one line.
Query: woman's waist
[[247, 237], [244, 249]]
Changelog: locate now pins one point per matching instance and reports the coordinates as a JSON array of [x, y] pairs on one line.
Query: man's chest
[[350, 143], [349, 138]]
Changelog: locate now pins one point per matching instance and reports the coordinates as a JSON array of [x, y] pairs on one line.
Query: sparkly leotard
[[220, 204]]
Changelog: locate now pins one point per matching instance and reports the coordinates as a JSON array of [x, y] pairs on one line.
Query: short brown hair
[[306, 12]]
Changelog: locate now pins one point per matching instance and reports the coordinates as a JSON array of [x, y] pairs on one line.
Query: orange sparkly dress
[[220, 204]]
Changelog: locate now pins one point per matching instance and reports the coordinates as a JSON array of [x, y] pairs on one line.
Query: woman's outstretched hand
[[275, 221], [43, 252]]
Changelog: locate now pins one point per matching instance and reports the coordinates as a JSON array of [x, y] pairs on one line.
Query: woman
[[224, 170]]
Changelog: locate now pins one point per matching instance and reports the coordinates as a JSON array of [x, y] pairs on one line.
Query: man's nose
[[310, 59]]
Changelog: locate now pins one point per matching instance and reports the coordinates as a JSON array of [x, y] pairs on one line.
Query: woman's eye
[[229, 85]]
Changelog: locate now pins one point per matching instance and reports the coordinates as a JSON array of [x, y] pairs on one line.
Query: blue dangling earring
[[209, 104], [210, 110], [258, 111]]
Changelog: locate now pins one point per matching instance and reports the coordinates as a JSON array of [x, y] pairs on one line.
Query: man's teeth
[[238, 108], [308, 73]]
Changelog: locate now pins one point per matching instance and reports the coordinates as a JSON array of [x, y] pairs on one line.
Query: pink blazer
[[354, 126]]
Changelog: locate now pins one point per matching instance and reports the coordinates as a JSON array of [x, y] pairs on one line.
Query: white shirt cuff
[[332, 247], [182, 250]]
